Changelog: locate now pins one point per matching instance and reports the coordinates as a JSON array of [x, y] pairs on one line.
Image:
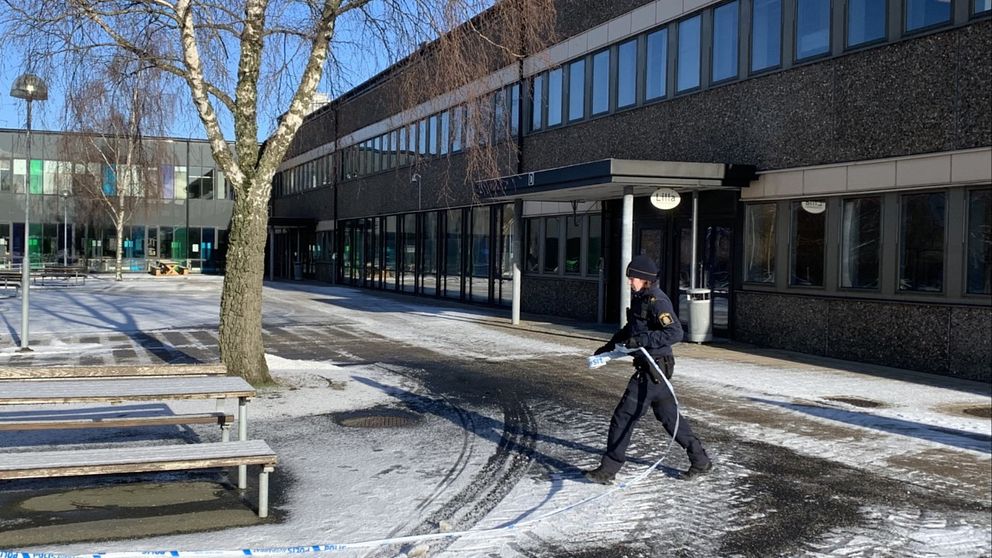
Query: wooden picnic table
[[118, 390], [169, 267]]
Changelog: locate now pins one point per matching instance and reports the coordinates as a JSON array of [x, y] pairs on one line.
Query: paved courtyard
[[398, 416]]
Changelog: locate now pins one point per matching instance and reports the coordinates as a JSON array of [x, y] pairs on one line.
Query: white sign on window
[[814, 207], [196, 248], [665, 198]]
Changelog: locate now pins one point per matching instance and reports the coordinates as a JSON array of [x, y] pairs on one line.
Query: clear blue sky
[[47, 115]]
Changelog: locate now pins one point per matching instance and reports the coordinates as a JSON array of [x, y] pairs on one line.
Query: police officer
[[652, 324]]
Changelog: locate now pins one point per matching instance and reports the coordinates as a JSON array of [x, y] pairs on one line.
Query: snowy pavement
[[490, 423]]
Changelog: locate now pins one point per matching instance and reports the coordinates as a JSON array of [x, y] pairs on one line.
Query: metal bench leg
[[263, 491], [243, 436]]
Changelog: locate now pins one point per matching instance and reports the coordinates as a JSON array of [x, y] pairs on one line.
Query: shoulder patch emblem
[[666, 319]]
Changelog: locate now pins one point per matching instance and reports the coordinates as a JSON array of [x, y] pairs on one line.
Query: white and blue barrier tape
[[593, 361]]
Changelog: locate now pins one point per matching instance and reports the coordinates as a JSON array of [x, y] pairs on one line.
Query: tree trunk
[[118, 270], [241, 347]]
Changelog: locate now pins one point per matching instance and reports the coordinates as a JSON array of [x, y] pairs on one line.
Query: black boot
[[697, 470], [599, 475]]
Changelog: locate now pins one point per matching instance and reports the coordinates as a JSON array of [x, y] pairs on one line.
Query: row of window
[[705, 49], [564, 245], [922, 245], [457, 253], [164, 182], [709, 47], [493, 119], [48, 241]]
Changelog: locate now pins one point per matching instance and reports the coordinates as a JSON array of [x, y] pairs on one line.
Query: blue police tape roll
[[335, 547]]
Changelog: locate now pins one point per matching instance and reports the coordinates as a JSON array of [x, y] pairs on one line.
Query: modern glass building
[[832, 161], [184, 214]]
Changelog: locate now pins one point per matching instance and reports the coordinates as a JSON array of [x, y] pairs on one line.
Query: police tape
[[594, 362]]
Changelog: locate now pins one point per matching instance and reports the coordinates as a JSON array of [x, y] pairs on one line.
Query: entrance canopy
[[610, 179]]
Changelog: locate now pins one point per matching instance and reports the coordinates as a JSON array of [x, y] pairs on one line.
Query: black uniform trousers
[[642, 392]]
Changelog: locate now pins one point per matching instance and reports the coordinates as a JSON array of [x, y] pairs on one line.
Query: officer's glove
[[637, 341], [604, 349]]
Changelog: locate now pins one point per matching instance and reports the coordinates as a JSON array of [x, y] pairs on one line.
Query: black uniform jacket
[[651, 323]]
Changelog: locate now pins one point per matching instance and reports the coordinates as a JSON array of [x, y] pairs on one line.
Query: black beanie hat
[[642, 267]]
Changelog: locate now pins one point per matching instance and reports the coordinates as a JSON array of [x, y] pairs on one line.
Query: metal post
[[26, 260], [518, 231], [30, 88], [188, 167], [65, 229], [626, 249], [242, 436], [695, 237]]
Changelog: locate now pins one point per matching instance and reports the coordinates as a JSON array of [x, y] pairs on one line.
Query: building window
[[594, 247], [981, 6], [514, 99], [627, 74], [457, 125], [533, 263], [979, 242], [725, 40], [689, 49], [601, 82], [432, 135], [766, 34], [812, 28], [921, 241], [537, 103], [576, 90], [865, 21], [422, 137], [445, 132], [657, 65], [808, 233], [554, 96], [552, 239], [921, 14], [861, 243], [759, 243], [573, 244]]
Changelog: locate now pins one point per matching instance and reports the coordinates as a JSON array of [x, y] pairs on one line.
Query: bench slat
[[117, 422], [62, 372], [122, 389], [102, 461]]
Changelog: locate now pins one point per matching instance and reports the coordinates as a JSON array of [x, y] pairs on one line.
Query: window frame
[[828, 51], [699, 55], [904, 15], [737, 45], [751, 71]]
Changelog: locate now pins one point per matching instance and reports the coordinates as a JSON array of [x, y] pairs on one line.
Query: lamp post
[[188, 176], [30, 88], [65, 228]]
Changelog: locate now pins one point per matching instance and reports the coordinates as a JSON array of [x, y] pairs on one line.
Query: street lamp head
[[30, 88]]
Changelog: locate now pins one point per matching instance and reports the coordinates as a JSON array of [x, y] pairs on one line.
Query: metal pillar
[[26, 260], [695, 238], [626, 250], [517, 248]]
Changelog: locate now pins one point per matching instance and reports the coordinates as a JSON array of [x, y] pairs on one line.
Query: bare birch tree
[[114, 168], [240, 58]]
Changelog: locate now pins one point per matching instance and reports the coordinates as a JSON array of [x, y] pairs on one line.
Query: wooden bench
[[42, 373], [86, 419], [10, 279], [118, 460], [59, 272]]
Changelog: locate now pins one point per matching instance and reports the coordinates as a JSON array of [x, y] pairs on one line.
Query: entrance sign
[[665, 198], [814, 207]]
